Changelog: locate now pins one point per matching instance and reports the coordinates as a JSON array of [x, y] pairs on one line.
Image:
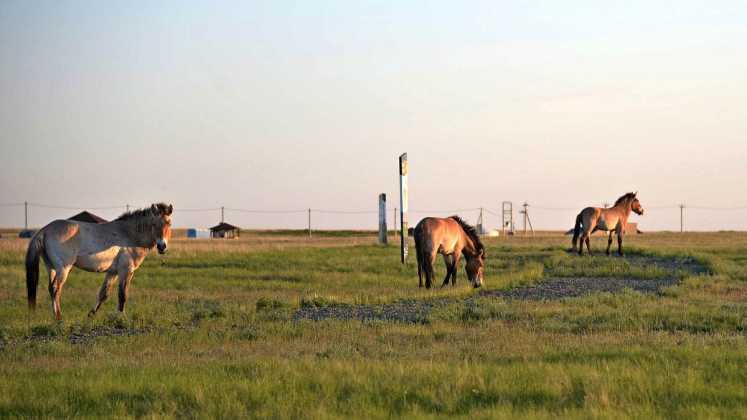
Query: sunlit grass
[[209, 332]]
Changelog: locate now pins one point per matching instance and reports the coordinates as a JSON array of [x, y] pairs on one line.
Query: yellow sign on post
[[403, 206]]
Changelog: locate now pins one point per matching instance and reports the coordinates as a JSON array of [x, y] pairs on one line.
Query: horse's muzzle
[[161, 248]]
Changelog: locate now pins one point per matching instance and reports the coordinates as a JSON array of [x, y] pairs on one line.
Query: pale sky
[[290, 105]]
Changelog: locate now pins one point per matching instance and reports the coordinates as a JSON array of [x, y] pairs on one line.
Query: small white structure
[[201, 233]]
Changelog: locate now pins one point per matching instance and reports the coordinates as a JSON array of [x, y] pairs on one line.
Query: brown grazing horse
[[116, 248], [612, 220], [452, 237]]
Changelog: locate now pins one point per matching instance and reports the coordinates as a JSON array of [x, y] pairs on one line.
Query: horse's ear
[[170, 210], [154, 209], [635, 193]]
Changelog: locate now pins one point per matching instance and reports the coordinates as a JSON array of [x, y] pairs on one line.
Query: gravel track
[[571, 287], [552, 288]]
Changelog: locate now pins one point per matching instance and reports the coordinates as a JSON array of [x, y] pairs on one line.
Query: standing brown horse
[[612, 220], [117, 248], [450, 237]]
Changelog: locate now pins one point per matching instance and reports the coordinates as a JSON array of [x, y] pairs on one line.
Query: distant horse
[[612, 220], [117, 248], [452, 237]]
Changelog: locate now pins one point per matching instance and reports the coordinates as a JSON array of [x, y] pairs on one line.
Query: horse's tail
[[577, 229], [36, 247], [418, 250]]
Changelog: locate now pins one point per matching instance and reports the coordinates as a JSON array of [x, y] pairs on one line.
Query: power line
[[52, 206], [200, 210], [717, 208], [344, 211], [265, 211], [557, 208], [444, 211]]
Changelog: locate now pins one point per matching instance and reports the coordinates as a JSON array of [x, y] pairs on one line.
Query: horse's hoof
[[91, 313]]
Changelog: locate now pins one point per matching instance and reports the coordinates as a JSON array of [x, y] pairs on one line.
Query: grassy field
[[210, 331]]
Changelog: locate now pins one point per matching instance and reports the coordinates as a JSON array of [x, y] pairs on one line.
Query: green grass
[[210, 334]]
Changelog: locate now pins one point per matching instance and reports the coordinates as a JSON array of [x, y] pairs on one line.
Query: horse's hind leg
[[609, 242], [57, 279], [588, 243], [581, 242], [104, 291], [419, 256], [620, 244], [428, 261]]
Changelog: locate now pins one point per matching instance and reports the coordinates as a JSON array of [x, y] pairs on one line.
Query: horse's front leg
[[448, 260], [455, 268], [620, 243], [104, 291], [609, 242], [125, 277]]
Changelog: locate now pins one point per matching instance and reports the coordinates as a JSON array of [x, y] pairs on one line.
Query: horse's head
[[636, 205], [161, 225], [475, 267]]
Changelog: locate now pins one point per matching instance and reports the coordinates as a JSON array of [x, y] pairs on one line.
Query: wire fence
[[544, 217]]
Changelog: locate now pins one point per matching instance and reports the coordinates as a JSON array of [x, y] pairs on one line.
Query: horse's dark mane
[[470, 231], [625, 197], [140, 213]]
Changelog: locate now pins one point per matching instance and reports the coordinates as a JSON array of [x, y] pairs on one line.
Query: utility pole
[[26, 215], [507, 211], [127, 208], [222, 210], [480, 222], [682, 218], [527, 220], [309, 223]]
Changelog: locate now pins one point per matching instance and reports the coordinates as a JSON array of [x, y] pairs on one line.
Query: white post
[[382, 219], [682, 218], [403, 206], [395, 223]]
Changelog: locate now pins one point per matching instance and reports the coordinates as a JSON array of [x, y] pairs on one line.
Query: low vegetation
[[213, 330]]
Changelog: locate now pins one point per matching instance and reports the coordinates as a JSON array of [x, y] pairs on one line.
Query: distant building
[[632, 228], [224, 230], [26, 233], [88, 217]]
